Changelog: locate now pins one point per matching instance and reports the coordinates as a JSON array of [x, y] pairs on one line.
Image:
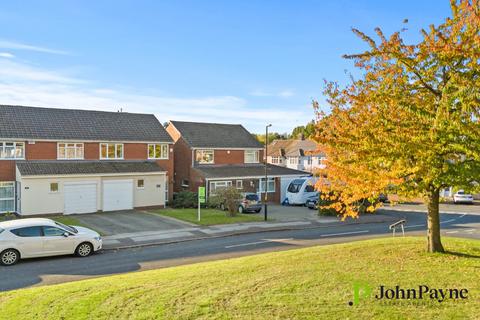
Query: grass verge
[[208, 216], [309, 283]]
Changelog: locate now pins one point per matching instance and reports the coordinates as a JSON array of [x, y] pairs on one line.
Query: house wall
[[36, 198], [47, 150], [251, 185]]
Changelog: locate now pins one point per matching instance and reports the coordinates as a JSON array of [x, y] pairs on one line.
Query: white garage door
[[80, 197], [117, 195]]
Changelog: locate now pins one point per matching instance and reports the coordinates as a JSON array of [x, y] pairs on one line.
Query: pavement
[[187, 232]]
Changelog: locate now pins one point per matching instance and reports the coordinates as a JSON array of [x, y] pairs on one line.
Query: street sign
[[201, 194]]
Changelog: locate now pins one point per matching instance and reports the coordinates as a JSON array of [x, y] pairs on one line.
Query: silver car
[[38, 237]]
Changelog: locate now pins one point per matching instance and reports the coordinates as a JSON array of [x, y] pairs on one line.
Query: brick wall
[[7, 170], [41, 151]]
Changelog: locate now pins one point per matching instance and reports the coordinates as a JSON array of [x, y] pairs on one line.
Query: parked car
[[312, 203], [300, 190], [38, 237], [250, 203], [462, 197]]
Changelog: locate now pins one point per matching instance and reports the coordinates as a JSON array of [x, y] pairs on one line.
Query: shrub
[[185, 199], [230, 198]]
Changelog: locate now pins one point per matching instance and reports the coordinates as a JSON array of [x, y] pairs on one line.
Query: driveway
[[290, 213], [110, 223]]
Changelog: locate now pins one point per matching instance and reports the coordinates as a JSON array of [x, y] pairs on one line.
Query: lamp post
[[266, 172]]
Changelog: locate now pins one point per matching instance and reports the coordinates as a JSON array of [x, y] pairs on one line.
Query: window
[[216, 185], [54, 187], [185, 183], [295, 185], [251, 156], [12, 150], [309, 161], [70, 151], [270, 185], [293, 160], [111, 151], [322, 161], [309, 188], [204, 156], [7, 196], [239, 184], [158, 151], [52, 231], [28, 232], [140, 183], [276, 160]]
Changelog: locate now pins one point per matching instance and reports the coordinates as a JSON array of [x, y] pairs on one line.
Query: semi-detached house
[[76, 161], [218, 155]]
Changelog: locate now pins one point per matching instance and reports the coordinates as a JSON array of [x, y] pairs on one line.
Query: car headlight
[[98, 238]]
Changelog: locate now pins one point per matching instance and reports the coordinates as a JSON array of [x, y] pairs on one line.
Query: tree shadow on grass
[[462, 255]]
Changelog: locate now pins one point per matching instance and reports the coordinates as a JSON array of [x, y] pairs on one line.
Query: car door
[[55, 242], [29, 241]]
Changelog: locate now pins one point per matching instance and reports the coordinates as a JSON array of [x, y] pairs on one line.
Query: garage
[[117, 195], [80, 197]]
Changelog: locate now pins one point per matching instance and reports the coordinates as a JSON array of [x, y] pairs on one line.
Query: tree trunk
[[433, 222]]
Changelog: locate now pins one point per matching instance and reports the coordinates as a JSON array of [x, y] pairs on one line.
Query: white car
[[38, 237], [462, 197]]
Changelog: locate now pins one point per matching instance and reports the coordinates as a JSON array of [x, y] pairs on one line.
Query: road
[[45, 271]]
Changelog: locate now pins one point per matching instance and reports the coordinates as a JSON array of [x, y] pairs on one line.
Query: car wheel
[[84, 249], [258, 210], [241, 209], [9, 257]]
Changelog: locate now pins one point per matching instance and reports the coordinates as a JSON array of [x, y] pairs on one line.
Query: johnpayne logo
[[362, 291]]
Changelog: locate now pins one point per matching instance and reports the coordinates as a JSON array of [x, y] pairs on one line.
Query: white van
[[300, 190]]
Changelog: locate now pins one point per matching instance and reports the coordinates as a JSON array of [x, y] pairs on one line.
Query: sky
[[231, 61]]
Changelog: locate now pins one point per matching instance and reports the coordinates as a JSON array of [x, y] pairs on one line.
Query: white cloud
[[22, 84], [6, 55], [280, 94], [12, 45]]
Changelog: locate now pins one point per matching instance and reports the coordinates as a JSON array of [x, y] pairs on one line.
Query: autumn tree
[[410, 121]]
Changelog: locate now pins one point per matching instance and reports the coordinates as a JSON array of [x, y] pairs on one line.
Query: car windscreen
[[65, 227], [461, 192], [1, 230], [295, 185], [251, 197]]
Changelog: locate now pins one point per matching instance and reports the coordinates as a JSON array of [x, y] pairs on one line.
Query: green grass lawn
[[208, 216], [309, 283]]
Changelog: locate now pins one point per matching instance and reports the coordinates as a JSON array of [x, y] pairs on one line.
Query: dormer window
[[251, 156], [204, 156], [70, 151], [111, 151]]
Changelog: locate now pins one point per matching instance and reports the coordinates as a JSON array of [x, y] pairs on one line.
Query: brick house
[[219, 155], [75, 161]]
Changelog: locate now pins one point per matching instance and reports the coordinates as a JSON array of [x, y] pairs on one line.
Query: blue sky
[[249, 62]]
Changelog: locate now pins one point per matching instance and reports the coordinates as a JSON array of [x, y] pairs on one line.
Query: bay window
[[12, 150], [70, 151], [111, 151], [251, 156], [204, 156], [158, 151], [270, 185]]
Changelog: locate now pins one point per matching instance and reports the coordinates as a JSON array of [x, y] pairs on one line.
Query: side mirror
[[66, 234]]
